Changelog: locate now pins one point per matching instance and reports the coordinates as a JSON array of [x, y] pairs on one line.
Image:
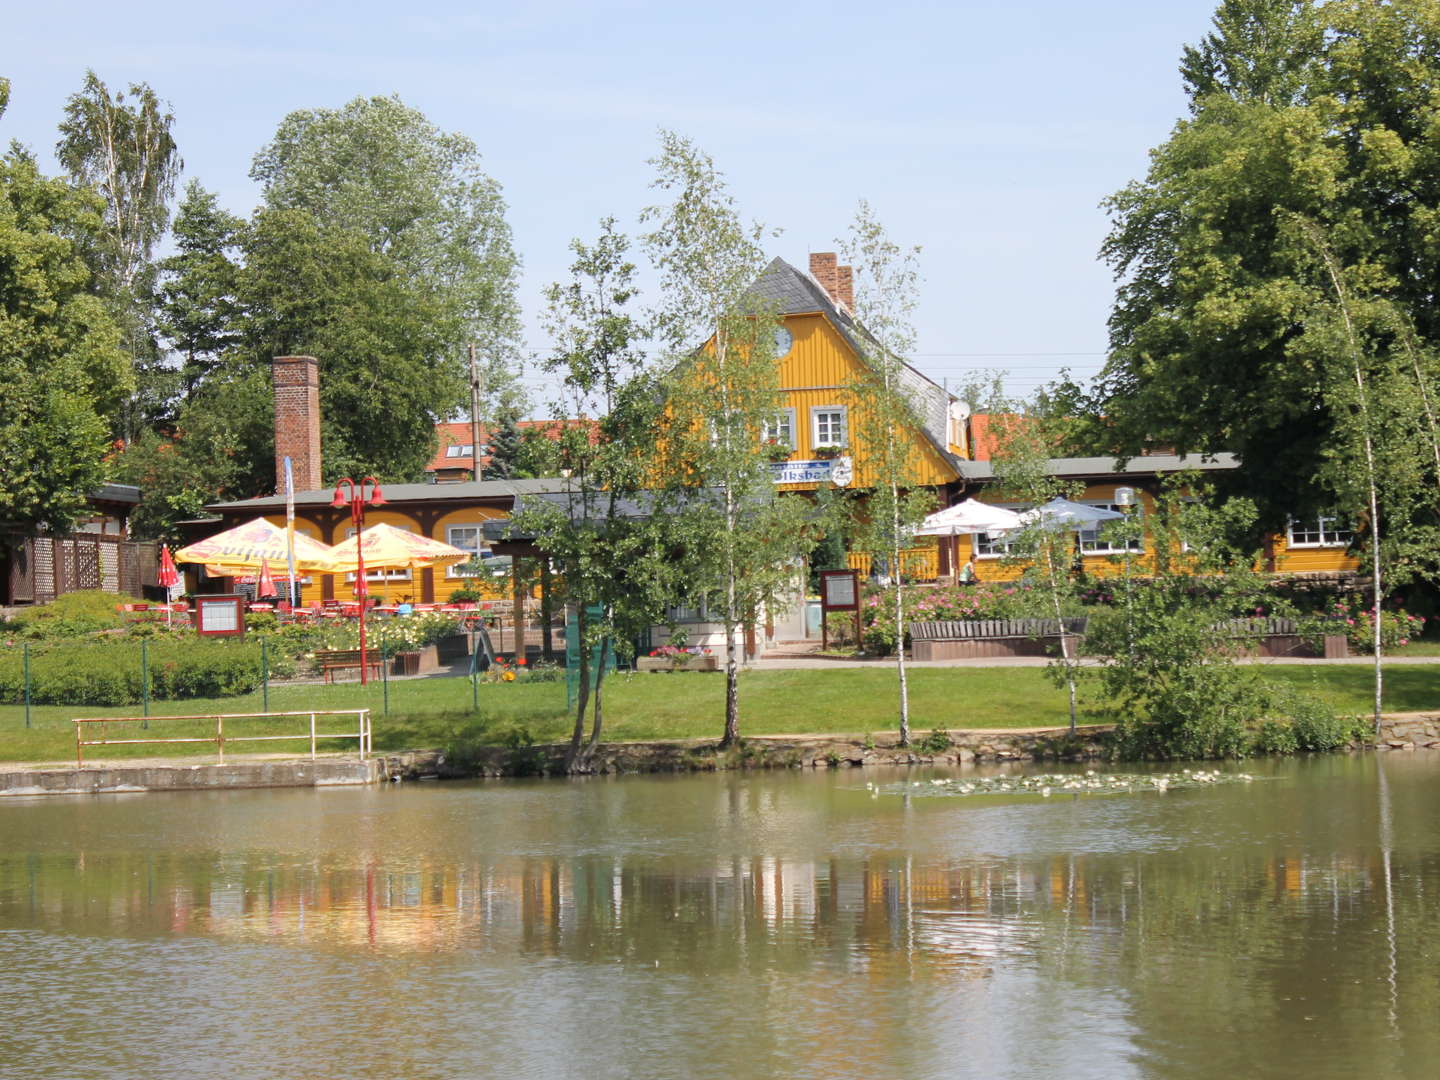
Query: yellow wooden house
[[1307, 548], [820, 349]]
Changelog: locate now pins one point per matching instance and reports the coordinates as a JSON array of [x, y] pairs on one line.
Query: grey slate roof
[[1146, 465], [121, 493], [402, 493], [789, 291]]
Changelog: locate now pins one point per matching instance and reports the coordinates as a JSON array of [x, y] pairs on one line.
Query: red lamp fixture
[[357, 500]]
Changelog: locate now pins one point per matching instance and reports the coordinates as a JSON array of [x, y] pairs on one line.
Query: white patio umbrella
[[970, 516], [1061, 514]]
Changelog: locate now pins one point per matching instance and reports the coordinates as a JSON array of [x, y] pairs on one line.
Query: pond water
[[771, 925]]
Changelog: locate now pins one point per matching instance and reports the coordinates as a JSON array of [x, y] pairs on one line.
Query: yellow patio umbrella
[[386, 547], [247, 546]]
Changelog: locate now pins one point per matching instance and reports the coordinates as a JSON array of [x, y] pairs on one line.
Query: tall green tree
[[505, 448], [387, 373], [1313, 111], [886, 424], [612, 550], [123, 149], [723, 389], [63, 374], [416, 198], [199, 313]]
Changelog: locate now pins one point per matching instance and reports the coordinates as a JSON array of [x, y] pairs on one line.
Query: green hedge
[[108, 673]]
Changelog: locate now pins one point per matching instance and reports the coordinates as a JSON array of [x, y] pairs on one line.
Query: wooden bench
[[333, 660], [964, 639]]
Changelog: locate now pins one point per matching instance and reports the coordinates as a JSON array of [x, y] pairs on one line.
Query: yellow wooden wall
[[820, 369], [1303, 560], [1286, 560]]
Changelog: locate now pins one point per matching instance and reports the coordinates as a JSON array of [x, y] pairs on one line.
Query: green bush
[[72, 615], [108, 672], [937, 742]]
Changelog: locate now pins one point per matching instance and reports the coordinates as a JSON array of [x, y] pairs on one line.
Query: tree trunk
[[574, 756], [597, 708], [1064, 634], [899, 619], [732, 665], [732, 625], [547, 614]]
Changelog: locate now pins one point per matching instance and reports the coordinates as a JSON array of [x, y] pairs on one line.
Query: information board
[[839, 590], [220, 615]]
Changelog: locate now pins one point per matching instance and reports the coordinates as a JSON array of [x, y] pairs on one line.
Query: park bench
[[1276, 636], [333, 660], [964, 639]]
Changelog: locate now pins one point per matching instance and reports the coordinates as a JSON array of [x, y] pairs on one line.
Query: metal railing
[[363, 730]]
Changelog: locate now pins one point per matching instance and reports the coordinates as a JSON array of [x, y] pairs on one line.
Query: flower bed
[[677, 658]]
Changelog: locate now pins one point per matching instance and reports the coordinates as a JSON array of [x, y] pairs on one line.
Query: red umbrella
[[266, 586], [168, 576]]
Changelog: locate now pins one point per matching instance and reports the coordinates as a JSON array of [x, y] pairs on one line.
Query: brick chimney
[[837, 281], [297, 420]]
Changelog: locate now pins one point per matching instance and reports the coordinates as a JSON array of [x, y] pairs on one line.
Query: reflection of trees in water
[[1184, 943]]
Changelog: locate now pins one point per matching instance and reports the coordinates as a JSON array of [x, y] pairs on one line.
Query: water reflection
[[1271, 929]]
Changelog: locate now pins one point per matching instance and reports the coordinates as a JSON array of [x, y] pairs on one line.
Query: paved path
[[804, 663]]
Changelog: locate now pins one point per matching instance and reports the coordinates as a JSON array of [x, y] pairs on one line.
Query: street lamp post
[[357, 501]]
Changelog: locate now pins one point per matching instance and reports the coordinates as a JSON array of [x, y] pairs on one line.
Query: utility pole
[[474, 414]]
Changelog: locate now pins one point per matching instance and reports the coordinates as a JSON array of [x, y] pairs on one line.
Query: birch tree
[[742, 544], [122, 148], [611, 552], [883, 413]]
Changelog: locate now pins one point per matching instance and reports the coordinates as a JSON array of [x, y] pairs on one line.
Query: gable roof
[[788, 291]]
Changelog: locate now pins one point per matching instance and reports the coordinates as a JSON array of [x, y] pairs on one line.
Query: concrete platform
[[113, 778]]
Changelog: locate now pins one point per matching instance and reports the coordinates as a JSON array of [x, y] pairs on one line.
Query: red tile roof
[[457, 433]]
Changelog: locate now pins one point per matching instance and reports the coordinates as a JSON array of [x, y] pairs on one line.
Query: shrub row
[[109, 673]]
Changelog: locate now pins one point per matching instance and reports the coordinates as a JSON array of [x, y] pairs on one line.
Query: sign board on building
[[220, 615], [837, 471]]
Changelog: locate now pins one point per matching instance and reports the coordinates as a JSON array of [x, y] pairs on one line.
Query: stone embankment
[[1409, 731], [1398, 731], [765, 752], [122, 777]]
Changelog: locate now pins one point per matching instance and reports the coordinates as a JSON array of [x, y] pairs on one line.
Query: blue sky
[[986, 133]]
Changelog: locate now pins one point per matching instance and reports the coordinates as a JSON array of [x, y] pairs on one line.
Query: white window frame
[[390, 574], [454, 571], [1093, 543], [1330, 535], [985, 548], [460, 450], [815, 441], [684, 613], [769, 431]]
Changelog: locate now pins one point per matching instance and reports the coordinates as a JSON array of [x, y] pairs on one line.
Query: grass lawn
[[435, 712]]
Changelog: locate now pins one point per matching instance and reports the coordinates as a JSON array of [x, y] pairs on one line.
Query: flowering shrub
[[1397, 626], [678, 654], [987, 600]]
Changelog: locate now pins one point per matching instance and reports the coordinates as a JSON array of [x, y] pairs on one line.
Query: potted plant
[[777, 451], [829, 453]]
